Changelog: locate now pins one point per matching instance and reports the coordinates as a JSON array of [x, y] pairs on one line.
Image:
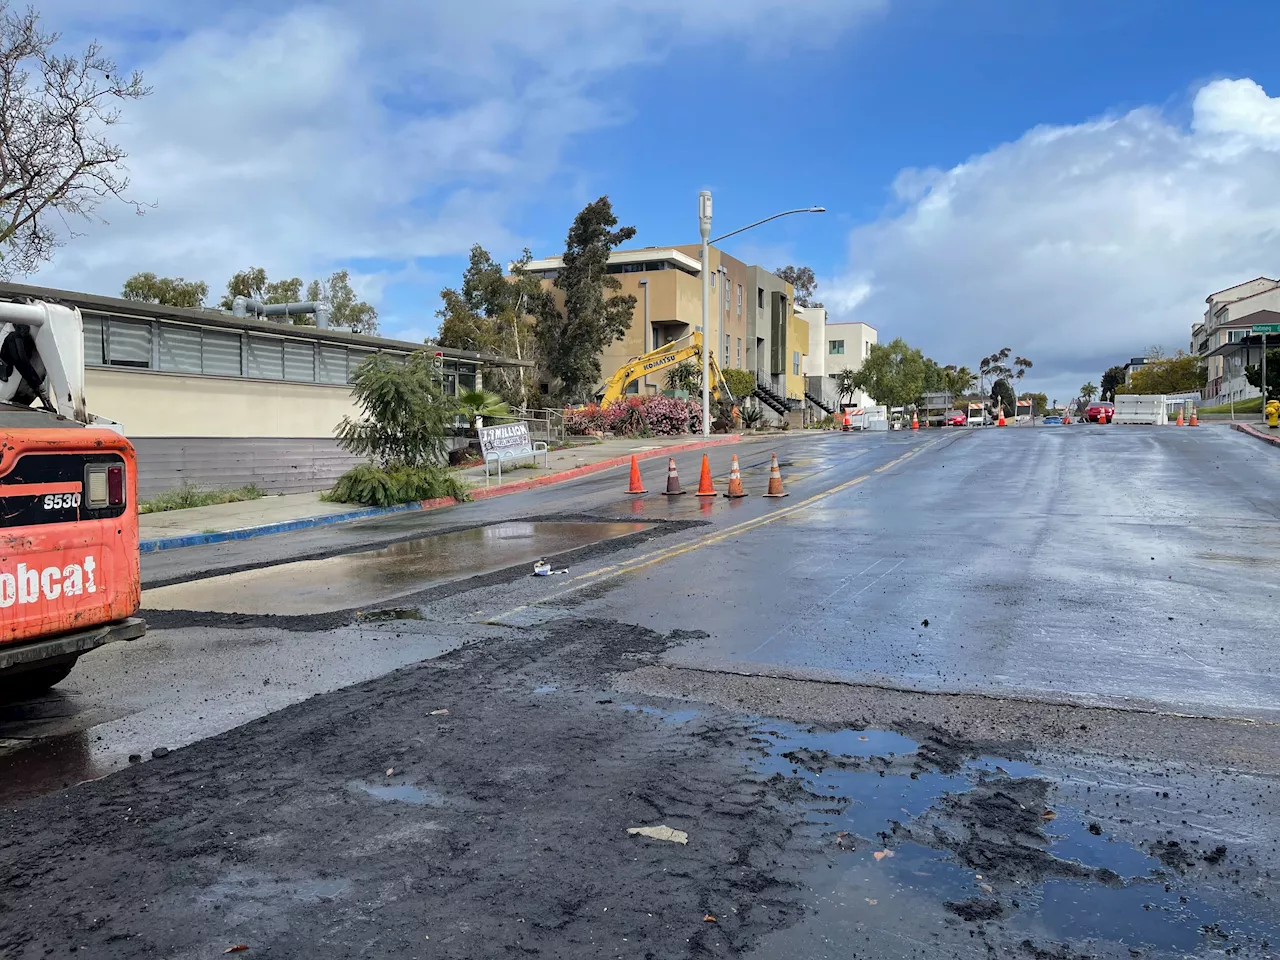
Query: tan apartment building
[[752, 316]]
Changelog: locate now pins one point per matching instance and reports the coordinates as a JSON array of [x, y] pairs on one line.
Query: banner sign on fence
[[507, 440]]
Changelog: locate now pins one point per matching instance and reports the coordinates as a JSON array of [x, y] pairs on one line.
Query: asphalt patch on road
[[471, 806], [176, 619]]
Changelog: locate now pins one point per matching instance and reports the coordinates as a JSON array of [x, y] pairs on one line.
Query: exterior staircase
[[766, 395]]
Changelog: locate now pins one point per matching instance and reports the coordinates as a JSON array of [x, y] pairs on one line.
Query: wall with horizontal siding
[[277, 464]]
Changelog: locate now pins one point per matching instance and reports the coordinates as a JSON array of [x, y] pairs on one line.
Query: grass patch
[[1252, 405], [188, 496]]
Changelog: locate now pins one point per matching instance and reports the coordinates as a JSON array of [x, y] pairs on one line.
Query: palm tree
[[482, 403], [1088, 391]]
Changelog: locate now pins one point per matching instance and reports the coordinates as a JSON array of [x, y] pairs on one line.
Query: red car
[[1100, 412], [956, 419]]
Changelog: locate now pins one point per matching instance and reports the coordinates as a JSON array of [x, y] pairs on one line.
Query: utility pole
[[704, 228]]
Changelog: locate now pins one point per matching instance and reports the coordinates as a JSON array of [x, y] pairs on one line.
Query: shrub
[[741, 382], [376, 486], [752, 417], [584, 420], [637, 416]]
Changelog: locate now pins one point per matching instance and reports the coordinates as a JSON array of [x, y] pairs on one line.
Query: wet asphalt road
[[1099, 607]]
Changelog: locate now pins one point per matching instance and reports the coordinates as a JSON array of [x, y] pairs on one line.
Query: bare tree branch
[[57, 160]]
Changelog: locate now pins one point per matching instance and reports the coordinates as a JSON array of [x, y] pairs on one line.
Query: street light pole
[[704, 228]]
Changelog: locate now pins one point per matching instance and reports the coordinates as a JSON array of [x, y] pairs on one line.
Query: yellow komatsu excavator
[[663, 358]]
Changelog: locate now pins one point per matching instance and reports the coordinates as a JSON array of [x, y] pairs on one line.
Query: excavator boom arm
[[663, 358]]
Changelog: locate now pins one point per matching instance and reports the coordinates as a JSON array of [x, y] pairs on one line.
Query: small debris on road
[[881, 854], [390, 771], [238, 948], [1096, 829], [442, 712], [924, 622], [708, 918], [135, 758], [542, 569], [159, 752], [1048, 815], [660, 832]]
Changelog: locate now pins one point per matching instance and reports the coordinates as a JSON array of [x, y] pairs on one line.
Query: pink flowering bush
[[637, 416], [584, 420]]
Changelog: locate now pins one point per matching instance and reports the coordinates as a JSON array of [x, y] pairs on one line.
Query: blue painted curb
[[247, 533]]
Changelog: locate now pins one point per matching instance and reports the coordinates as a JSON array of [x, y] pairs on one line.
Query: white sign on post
[[506, 441]]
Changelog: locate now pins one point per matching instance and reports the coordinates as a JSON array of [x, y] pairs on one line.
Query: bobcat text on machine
[[69, 567], [661, 359]]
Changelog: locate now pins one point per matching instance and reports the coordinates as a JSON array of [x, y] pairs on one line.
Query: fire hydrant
[[1273, 413]]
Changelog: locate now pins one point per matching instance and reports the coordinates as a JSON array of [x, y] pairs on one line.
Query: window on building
[[128, 344], [835, 347], [795, 362], [299, 361], [265, 358], [866, 348], [739, 299], [760, 297], [727, 343], [180, 349], [1235, 336], [656, 265], [333, 363], [94, 351], [220, 353], [728, 301], [356, 357], [739, 339]]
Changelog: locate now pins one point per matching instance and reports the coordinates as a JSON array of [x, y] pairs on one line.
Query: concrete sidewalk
[[1266, 435], [279, 514]]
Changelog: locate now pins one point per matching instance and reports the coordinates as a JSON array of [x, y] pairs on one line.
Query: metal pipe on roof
[[242, 306]]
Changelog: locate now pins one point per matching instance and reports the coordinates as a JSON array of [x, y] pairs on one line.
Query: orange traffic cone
[[636, 485], [735, 490], [673, 479], [1179, 423], [1000, 422], [704, 482], [847, 421], [1194, 421], [775, 480], [915, 424]]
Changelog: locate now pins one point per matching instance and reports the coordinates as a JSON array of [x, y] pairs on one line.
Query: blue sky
[[1068, 178]]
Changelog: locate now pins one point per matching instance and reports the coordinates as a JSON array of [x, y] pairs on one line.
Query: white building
[[846, 346]]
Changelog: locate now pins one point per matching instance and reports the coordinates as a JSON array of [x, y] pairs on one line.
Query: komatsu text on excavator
[[69, 570]]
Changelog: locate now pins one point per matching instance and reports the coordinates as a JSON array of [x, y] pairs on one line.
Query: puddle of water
[[399, 793], [667, 716], [376, 576], [861, 782]]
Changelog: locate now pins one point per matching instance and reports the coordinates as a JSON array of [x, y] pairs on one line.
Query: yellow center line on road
[[585, 580]]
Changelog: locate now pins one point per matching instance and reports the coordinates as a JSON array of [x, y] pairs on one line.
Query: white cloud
[[1077, 246], [301, 136]]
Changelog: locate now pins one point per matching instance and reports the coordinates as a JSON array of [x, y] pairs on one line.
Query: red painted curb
[[1255, 432], [488, 493]]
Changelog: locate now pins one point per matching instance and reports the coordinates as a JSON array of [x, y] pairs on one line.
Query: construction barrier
[[1131, 408]]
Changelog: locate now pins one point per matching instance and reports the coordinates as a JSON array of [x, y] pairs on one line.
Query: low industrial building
[[219, 401]]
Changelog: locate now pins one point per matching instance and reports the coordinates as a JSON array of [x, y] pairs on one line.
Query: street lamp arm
[[785, 213]]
